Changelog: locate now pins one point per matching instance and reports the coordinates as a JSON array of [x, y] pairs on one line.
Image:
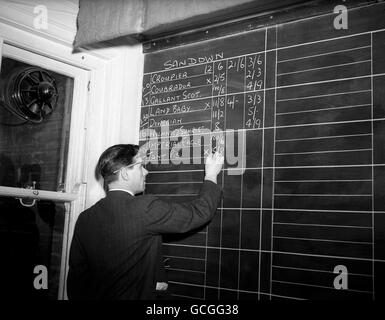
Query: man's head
[[121, 167]]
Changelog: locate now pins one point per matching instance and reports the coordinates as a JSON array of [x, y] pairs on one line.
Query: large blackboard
[[309, 101]]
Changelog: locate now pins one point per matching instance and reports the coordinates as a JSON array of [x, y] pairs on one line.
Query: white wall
[[62, 16], [116, 120]]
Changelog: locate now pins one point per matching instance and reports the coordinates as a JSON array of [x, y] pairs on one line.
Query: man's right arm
[[170, 217]]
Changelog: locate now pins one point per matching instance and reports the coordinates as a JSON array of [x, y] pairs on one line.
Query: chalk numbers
[[218, 113], [254, 72], [230, 88], [146, 90], [208, 69], [254, 110], [237, 64], [219, 90], [254, 80], [219, 79]]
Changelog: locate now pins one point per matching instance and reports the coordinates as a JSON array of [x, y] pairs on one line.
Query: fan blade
[[49, 78], [41, 76], [53, 82], [36, 109], [30, 104], [47, 108], [33, 79]]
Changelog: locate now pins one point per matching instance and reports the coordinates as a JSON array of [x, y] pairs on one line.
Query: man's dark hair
[[114, 158]]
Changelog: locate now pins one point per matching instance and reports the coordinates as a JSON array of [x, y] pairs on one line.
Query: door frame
[[102, 102]]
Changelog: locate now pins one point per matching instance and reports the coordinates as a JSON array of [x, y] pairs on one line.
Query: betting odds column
[[233, 236]]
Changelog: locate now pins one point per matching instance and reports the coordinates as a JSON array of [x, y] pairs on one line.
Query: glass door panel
[[35, 117]]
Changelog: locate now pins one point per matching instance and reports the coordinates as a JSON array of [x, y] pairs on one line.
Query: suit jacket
[[116, 247]]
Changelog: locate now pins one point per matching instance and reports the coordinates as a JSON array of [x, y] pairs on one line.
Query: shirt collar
[[123, 191]]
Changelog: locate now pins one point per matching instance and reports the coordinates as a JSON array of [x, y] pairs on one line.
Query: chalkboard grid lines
[[274, 162], [261, 213], [307, 193], [372, 130], [241, 195], [314, 150]]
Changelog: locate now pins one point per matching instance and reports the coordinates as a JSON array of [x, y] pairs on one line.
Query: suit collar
[[123, 190]]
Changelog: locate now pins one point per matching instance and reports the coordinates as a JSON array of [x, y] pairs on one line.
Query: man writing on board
[[116, 248]]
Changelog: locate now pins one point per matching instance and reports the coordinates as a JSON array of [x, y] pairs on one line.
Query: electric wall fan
[[30, 94]]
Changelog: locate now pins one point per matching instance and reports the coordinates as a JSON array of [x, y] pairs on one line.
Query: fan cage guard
[[31, 94]]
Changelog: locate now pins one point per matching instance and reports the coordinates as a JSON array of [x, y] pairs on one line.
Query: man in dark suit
[[116, 248]]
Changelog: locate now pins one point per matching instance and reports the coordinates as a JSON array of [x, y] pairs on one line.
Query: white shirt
[[123, 191]]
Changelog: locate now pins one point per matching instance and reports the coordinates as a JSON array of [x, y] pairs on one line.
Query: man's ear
[[125, 174]]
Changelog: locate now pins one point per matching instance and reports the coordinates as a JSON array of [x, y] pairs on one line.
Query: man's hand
[[213, 166]]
